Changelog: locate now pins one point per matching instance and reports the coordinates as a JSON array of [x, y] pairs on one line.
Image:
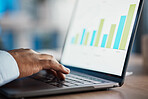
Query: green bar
[[99, 32], [76, 40], [127, 26], [111, 34], [86, 40]]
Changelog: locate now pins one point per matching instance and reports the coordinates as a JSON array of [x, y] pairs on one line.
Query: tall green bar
[[111, 34], [76, 40], [127, 26], [99, 32], [86, 40]]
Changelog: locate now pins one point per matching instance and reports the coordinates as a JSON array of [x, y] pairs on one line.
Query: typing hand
[[31, 62]]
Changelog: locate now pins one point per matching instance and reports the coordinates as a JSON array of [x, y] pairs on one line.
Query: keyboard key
[[70, 81], [69, 84]]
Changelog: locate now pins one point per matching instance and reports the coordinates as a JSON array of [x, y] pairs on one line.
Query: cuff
[[8, 68]]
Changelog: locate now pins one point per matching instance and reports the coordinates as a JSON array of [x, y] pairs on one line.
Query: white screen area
[[99, 35]]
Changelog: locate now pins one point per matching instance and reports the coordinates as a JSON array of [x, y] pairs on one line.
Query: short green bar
[[111, 34], [76, 40], [127, 27], [86, 40], [99, 32]]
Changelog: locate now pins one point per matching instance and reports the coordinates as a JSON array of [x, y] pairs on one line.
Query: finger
[[52, 64], [61, 76], [50, 71], [57, 74]]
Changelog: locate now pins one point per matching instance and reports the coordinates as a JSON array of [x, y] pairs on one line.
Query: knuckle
[[42, 54], [28, 49], [50, 61], [43, 61], [40, 61], [51, 56], [60, 66]]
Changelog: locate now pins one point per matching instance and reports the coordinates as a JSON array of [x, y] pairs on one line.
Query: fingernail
[[67, 69]]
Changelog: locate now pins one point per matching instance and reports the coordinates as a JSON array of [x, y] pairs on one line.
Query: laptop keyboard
[[70, 81]]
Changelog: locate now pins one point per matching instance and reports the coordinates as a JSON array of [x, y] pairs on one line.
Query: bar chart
[[100, 35], [113, 39]]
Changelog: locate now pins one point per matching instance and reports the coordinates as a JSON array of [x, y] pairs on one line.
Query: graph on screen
[[99, 35], [112, 39]]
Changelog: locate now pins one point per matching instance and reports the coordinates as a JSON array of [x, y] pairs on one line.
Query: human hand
[[31, 62]]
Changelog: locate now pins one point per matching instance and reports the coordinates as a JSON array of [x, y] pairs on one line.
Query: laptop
[[97, 49]]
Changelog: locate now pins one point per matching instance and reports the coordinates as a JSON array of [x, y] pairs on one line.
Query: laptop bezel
[[115, 78]]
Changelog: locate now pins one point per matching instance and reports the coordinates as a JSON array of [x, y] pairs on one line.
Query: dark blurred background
[[142, 29], [42, 24]]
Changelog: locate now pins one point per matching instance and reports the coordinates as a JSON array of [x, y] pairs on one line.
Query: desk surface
[[135, 86]]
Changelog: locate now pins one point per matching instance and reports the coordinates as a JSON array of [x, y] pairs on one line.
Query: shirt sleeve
[[8, 68]]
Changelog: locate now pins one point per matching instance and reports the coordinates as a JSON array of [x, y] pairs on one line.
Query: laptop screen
[[99, 35]]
